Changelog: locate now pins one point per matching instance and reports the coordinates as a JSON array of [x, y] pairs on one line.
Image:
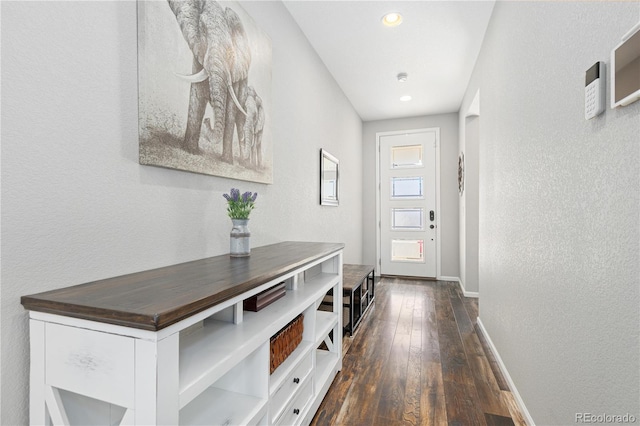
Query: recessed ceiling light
[[405, 98], [392, 19]]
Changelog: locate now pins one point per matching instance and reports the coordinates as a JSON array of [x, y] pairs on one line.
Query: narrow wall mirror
[[329, 179]]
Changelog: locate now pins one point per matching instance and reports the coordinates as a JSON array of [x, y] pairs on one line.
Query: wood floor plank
[[493, 420], [419, 305], [361, 401], [462, 409], [346, 344], [486, 386], [472, 344], [394, 379], [452, 355], [433, 410], [393, 305], [332, 404], [372, 351], [516, 415], [364, 328], [460, 313], [430, 341], [413, 390], [405, 318], [466, 326], [495, 368], [489, 394], [381, 421], [418, 358], [471, 305]]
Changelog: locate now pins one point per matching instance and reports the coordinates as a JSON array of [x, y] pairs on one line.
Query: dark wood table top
[[352, 275], [155, 299]]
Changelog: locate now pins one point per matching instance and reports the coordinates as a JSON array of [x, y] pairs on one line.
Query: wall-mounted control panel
[[594, 90]]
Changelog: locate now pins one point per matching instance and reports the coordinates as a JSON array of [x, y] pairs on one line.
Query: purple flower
[[239, 206]]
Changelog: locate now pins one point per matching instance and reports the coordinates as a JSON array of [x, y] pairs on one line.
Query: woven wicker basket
[[285, 341]]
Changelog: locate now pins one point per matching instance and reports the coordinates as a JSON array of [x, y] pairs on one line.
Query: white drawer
[[291, 385], [294, 412], [95, 364]]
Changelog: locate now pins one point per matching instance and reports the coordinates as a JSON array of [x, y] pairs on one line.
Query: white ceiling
[[436, 45]]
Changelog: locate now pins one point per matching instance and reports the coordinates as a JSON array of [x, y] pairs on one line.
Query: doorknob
[[431, 226], [431, 216]]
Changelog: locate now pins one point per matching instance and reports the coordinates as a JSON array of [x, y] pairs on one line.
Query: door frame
[[436, 130]]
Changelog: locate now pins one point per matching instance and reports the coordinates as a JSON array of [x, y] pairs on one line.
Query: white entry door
[[408, 204]]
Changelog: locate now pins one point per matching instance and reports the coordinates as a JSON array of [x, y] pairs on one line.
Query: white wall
[[448, 124], [77, 206], [559, 210]]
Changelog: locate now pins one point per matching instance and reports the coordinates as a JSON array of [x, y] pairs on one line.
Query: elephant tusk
[[198, 77], [233, 94], [235, 100]]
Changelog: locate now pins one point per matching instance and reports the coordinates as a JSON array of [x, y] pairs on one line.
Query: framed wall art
[[204, 100], [329, 179]]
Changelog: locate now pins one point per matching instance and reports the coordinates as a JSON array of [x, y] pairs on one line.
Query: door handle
[[431, 226], [431, 216]]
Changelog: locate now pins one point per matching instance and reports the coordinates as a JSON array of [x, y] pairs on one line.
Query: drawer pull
[[296, 411], [296, 380]]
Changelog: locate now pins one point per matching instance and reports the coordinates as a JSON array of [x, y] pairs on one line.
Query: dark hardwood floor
[[418, 359]]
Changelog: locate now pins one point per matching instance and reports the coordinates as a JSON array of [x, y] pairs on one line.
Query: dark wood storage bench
[[358, 292]]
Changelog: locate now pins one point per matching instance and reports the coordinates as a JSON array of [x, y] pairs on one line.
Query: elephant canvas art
[[204, 89]]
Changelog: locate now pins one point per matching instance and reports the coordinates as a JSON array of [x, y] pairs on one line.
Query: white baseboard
[[459, 281], [512, 387], [470, 293]]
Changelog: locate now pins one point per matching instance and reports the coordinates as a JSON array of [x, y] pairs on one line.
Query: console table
[[174, 346]]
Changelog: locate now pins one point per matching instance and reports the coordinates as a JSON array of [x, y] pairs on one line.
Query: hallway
[[419, 359]]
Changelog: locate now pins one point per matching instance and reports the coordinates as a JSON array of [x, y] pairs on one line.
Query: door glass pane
[[409, 218], [407, 250], [406, 187], [406, 156]]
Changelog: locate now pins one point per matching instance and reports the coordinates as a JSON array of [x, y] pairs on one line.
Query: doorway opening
[[469, 222]]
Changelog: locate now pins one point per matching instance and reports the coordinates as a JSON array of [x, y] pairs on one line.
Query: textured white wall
[[559, 210], [448, 124], [77, 206]]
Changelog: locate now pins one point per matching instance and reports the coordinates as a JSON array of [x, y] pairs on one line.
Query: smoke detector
[[402, 77]]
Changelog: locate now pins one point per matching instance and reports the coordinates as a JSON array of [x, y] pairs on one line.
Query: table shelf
[[219, 407]]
